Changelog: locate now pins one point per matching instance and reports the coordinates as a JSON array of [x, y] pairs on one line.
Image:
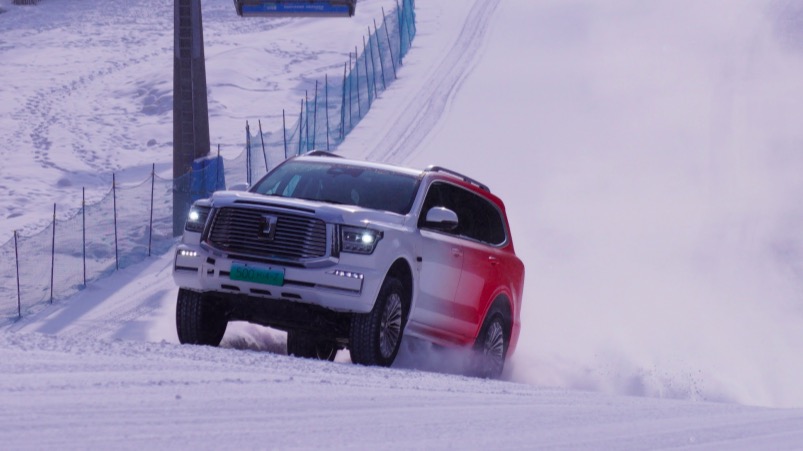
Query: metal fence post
[[300, 126], [284, 133], [400, 20], [343, 106], [83, 228], [315, 116], [379, 49], [114, 206], [17, 259], [357, 77], [367, 79], [247, 153], [390, 46], [306, 120], [262, 139], [326, 106], [53, 255], [409, 9], [150, 224], [351, 95], [373, 65]]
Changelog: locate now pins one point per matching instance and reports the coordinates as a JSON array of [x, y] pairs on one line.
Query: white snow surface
[[649, 155]]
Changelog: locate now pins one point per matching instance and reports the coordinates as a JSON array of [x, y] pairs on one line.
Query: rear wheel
[[376, 336], [200, 320], [491, 347], [301, 344]]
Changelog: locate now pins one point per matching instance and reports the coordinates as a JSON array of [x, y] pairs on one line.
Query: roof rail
[[458, 175], [321, 153]]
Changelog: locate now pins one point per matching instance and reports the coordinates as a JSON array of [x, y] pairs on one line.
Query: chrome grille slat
[[297, 237]]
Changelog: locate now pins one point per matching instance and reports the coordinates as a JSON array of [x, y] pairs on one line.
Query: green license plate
[[267, 276]]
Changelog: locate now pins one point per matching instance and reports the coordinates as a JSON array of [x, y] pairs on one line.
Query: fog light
[[348, 274]]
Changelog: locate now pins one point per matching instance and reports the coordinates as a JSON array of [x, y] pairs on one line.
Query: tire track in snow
[[426, 108]]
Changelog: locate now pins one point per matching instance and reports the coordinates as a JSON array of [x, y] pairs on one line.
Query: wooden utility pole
[[190, 108]]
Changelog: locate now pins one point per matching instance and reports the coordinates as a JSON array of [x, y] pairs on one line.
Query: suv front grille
[[268, 234]]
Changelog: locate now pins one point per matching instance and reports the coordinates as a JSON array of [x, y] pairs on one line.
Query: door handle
[[493, 260], [457, 252]]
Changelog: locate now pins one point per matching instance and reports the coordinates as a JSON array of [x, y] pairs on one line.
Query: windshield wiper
[[328, 201]]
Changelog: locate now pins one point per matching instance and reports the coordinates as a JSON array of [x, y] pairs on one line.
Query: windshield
[[341, 184]]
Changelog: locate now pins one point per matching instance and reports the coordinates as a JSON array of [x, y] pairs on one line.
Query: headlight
[[196, 219], [358, 240]]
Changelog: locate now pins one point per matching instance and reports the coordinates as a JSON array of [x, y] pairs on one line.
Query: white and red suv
[[350, 254]]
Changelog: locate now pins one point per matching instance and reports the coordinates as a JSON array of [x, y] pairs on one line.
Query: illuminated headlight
[[358, 240], [187, 253], [196, 219]]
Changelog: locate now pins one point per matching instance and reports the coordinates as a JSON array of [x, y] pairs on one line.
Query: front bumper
[[348, 285]]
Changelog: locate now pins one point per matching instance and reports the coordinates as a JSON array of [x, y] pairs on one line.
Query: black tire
[[491, 347], [199, 319], [376, 336], [301, 344]]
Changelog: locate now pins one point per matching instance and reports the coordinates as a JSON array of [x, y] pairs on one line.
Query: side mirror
[[441, 218], [239, 187]]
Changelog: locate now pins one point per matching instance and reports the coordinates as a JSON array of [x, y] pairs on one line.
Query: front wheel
[[376, 336], [490, 348], [199, 319], [308, 346]]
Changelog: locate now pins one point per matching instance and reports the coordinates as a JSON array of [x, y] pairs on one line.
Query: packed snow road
[[81, 393]]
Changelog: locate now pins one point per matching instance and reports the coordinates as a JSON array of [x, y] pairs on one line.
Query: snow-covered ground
[[649, 155]]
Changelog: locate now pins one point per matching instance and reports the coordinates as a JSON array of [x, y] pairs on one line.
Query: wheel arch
[[501, 304], [402, 270]]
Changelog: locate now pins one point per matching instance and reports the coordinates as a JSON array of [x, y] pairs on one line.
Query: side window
[[489, 227], [478, 219]]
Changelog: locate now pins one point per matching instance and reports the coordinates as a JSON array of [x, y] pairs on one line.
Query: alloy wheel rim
[[494, 349], [390, 326]]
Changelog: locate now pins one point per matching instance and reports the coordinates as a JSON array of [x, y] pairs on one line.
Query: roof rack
[[321, 153], [458, 175]]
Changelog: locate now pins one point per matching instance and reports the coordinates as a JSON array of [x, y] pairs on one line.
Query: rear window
[[341, 184]]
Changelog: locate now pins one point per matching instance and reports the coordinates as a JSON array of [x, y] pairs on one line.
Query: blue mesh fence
[[335, 105], [135, 220]]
